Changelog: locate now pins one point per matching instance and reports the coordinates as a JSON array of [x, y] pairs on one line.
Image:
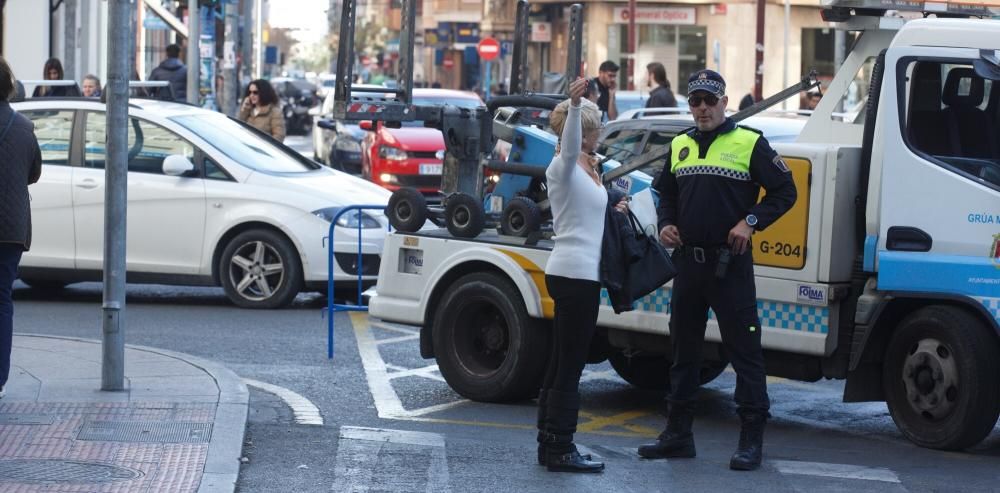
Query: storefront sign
[[657, 15], [541, 32]]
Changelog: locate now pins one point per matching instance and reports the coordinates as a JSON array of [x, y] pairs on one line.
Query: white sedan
[[210, 202]]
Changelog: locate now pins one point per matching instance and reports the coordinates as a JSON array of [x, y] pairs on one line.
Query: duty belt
[[701, 254]]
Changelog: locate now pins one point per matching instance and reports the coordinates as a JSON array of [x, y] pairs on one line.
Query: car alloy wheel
[[256, 270]]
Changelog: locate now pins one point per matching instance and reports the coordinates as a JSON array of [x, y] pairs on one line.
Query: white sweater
[[578, 208]]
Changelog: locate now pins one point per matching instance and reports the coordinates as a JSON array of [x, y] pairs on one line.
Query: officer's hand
[[577, 89], [739, 237], [670, 236]]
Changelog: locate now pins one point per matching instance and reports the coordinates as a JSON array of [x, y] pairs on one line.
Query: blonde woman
[[578, 201]]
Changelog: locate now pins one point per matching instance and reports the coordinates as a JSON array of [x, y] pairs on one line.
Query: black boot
[[749, 454], [676, 441], [543, 427], [560, 452]]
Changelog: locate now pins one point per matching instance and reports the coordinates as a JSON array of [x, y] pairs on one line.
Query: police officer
[[708, 211]]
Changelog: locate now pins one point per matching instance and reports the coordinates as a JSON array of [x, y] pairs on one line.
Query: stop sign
[[448, 63], [488, 49]]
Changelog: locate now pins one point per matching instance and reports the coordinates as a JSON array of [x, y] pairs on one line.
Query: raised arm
[[572, 136]]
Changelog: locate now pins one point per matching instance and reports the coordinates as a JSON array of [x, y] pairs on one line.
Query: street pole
[[247, 43], [115, 194], [631, 45], [758, 81], [193, 53], [229, 89], [784, 68], [70, 40], [259, 33]]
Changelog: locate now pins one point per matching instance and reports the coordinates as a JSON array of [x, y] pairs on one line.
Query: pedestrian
[[91, 86], [572, 276], [173, 71], [607, 85], [436, 85], [746, 102], [708, 211], [53, 70], [812, 99], [261, 110], [660, 96], [22, 166]]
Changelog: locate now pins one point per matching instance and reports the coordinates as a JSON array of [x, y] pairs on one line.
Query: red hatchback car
[[410, 156]]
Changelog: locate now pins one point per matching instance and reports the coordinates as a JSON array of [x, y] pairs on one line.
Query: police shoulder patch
[[780, 163], [684, 153]]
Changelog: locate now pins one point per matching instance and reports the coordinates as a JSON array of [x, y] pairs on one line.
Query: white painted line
[[425, 372], [379, 377], [403, 329], [306, 413], [358, 461], [842, 471], [610, 375], [392, 340]]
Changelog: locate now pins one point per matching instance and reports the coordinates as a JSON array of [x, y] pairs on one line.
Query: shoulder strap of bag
[[6, 127]]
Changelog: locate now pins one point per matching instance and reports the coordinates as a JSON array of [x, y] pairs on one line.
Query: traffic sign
[[489, 49], [448, 63]]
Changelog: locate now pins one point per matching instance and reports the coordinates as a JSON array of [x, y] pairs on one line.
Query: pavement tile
[[60, 378]]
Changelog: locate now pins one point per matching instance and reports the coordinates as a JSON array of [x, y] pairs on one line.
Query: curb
[[222, 465]]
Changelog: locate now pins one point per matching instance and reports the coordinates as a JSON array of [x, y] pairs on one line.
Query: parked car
[[211, 201], [633, 100], [297, 97], [325, 84], [639, 133], [340, 147], [410, 156]]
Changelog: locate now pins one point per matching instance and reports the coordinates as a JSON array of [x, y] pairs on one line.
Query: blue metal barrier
[[331, 307]]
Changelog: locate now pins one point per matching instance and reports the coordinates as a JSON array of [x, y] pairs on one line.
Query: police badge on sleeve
[[780, 163]]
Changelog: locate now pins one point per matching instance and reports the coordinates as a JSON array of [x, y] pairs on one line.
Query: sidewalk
[[177, 427]]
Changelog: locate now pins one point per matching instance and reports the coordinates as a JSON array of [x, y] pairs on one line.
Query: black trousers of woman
[[576, 305]]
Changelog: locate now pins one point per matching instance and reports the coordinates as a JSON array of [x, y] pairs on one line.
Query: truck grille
[[348, 262]]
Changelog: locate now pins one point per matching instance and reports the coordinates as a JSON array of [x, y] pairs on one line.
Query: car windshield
[[470, 103], [241, 144]]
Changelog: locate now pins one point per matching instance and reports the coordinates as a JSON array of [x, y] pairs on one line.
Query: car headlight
[[391, 153], [349, 219], [347, 145]]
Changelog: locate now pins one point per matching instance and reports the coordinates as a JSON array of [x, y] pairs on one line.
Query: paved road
[[390, 423]]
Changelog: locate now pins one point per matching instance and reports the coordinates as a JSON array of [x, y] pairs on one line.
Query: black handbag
[[652, 268]]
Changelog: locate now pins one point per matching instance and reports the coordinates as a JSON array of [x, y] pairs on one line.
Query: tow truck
[[886, 272]]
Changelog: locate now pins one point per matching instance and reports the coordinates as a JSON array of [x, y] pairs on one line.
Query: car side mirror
[[177, 165], [366, 125], [327, 124]]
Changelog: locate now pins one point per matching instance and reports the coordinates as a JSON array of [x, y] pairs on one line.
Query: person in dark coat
[[22, 166], [660, 96], [173, 71], [54, 71]]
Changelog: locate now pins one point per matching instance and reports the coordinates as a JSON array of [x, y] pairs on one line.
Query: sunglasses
[[710, 100], [253, 92]]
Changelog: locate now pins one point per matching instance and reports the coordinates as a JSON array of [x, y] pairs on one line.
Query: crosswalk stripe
[[358, 456], [842, 471]]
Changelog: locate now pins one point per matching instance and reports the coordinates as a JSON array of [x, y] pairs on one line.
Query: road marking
[[596, 423], [306, 413], [842, 471], [358, 460], [425, 372]]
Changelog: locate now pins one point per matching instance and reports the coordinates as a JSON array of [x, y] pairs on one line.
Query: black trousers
[[734, 301], [576, 305], [10, 257]]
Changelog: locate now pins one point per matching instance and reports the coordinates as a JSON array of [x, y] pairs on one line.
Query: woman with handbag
[[578, 200]]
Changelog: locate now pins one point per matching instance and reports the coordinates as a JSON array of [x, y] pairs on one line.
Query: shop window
[[691, 52], [951, 116]]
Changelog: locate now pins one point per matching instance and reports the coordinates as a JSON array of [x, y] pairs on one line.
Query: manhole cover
[[26, 419], [145, 431], [63, 471]]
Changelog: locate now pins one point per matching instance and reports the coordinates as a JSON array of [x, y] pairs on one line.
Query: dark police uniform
[[711, 182]]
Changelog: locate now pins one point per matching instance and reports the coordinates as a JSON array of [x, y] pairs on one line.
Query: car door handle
[[908, 239], [88, 184]]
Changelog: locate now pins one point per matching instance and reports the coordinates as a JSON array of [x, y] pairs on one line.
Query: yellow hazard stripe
[[538, 277]]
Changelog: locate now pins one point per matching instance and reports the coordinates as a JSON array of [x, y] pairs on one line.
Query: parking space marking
[[841, 471], [425, 372], [305, 412], [359, 451], [597, 423]]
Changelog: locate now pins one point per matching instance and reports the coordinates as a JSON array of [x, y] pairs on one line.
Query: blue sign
[[506, 48], [153, 22], [271, 54]]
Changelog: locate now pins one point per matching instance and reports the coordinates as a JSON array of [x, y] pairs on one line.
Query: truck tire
[[940, 378], [488, 349], [521, 217], [407, 210], [651, 372], [464, 215]]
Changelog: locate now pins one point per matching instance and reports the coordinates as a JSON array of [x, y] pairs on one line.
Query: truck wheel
[[521, 217], [651, 372], [488, 348], [940, 378], [407, 210], [260, 268], [464, 215]]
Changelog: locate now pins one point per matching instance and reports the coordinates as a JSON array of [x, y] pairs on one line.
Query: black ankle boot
[[677, 440], [751, 449], [560, 452]]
